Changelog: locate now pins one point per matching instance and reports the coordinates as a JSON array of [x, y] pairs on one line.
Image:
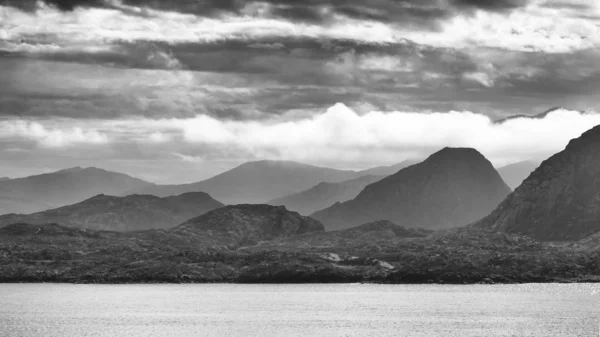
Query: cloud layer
[[339, 136]]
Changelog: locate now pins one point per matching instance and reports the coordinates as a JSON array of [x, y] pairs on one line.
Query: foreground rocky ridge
[[296, 252], [560, 200]]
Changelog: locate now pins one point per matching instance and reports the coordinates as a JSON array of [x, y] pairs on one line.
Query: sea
[[240, 310]]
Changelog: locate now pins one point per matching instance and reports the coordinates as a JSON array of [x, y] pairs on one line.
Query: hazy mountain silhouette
[[324, 195], [64, 187], [257, 182], [538, 116], [388, 170], [514, 174], [130, 213], [452, 187], [560, 200]]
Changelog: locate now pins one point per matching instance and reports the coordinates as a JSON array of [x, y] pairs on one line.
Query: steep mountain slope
[[256, 182], [248, 224], [324, 195], [560, 200], [452, 187], [44, 191], [131, 213], [514, 174]]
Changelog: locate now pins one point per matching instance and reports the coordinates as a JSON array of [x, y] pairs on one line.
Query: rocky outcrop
[[453, 187], [130, 213], [249, 224], [560, 200]]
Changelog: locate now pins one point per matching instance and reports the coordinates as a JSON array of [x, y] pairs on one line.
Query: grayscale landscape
[[299, 168]]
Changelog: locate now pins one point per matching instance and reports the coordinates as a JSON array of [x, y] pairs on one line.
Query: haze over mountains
[[261, 181], [130, 213], [450, 188], [514, 174], [263, 243], [560, 200], [64, 187]]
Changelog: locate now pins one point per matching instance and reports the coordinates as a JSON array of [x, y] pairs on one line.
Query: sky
[[177, 91]]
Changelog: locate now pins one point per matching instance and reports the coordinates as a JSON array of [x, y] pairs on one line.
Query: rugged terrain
[[130, 213], [452, 187], [261, 243], [560, 200]]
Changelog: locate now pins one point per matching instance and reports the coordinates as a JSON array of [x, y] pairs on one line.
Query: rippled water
[[299, 310]]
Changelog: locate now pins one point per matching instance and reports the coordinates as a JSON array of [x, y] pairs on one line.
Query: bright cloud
[[51, 137], [339, 134]]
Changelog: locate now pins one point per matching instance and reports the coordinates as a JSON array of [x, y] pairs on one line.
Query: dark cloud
[[411, 13], [491, 5]]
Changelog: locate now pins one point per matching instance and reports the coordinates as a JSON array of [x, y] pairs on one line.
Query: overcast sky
[[179, 90]]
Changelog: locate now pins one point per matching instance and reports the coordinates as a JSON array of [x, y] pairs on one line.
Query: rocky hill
[[452, 187], [64, 187], [324, 195], [249, 224], [560, 200], [131, 213]]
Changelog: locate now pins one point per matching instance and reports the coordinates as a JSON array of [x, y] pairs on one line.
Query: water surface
[[65, 310]]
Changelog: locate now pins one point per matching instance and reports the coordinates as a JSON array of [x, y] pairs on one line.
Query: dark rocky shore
[[379, 252]]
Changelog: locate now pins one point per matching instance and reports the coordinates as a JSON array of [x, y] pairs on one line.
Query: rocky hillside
[[324, 195], [453, 187], [379, 252], [131, 213], [560, 200], [249, 224], [51, 190]]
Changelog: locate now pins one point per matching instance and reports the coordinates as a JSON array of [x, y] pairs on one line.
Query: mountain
[[50, 190], [130, 213], [324, 195], [452, 187], [256, 182], [514, 174], [388, 170], [560, 200], [4, 179], [241, 225], [538, 116]]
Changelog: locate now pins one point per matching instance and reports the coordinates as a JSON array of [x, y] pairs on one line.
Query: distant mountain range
[[560, 200], [514, 174], [64, 187], [324, 195], [262, 181], [452, 187], [130, 213]]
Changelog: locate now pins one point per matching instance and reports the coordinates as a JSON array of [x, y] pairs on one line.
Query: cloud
[[338, 136], [49, 137]]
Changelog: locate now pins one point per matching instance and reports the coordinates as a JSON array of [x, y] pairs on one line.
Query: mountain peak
[[452, 187], [457, 153], [559, 200]]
